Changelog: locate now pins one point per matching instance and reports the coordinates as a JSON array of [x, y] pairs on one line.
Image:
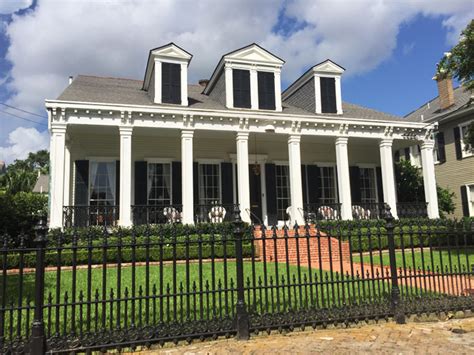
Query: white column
[[337, 82], [184, 84], [388, 177], [296, 186], [242, 140], [125, 203], [229, 91], [253, 89], [429, 178], [277, 78], [67, 174], [157, 81], [187, 175], [57, 149], [343, 178]]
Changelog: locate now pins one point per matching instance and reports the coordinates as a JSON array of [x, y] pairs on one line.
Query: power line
[[19, 109], [23, 118]]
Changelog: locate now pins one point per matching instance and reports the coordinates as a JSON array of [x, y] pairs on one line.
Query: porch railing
[[367, 210], [412, 210], [321, 211], [157, 214], [85, 216], [213, 213]]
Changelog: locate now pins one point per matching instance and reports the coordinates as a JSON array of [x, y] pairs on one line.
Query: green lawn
[[437, 259], [201, 298]]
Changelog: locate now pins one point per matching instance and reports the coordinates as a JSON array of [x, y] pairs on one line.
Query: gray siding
[[218, 91], [304, 97]]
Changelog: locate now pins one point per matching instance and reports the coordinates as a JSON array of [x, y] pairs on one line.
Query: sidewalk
[[446, 337]]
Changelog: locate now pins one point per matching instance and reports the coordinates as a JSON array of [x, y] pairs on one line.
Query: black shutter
[[397, 156], [458, 143], [313, 183], [441, 149], [328, 95], [176, 183], [170, 83], [81, 190], [141, 197], [407, 154], [241, 87], [378, 173], [354, 174], [196, 182], [226, 183], [304, 183], [266, 91], [464, 201], [117, 182], [270, 183]]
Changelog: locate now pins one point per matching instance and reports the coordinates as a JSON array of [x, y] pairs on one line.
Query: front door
[[255, 195]]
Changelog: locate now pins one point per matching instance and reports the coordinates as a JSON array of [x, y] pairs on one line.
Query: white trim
[[281, 162], [470, 203], [209, 161], [159, 160]]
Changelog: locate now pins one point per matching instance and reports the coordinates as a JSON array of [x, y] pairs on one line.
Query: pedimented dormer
[[318, 90], [166, 75], [248, 78]]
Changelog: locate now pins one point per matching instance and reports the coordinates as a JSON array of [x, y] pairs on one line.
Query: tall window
[[266, 90], [241, 87], [209, 184], [328, 95], [368, 189], [102, 183], [328, 192], [282, 190], [159, 184], [171, 83], [470, 199], [467, 149]]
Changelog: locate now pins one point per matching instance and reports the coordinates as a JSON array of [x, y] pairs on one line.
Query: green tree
[[410, 188], [459, 62]]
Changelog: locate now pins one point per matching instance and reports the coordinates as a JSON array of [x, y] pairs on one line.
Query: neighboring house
[[132, 151], [453, 111], [42, 184]]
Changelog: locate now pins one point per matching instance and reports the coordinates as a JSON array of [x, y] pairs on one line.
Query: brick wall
[[330, 247]]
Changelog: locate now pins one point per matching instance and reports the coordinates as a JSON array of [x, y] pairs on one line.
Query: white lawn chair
[[172, 215], [327, 212], [217, 214]]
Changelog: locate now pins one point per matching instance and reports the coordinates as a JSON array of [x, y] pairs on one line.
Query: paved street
[[446, 337]]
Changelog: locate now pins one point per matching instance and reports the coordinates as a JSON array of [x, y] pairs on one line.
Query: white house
[[161, 150]]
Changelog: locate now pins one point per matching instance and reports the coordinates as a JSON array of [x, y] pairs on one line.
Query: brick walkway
[[447, 337]]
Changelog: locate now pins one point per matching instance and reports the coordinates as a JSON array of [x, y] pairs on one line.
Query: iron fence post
[[242, 317], [38, 339], [395, 292]]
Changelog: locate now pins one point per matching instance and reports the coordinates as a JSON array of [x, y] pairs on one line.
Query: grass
[[175, 299], [438, 259]]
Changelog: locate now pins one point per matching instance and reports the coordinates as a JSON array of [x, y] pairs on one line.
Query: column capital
[[427, 144], [386, 142], [294, 138], [187, 133], [58, 127], [242, 136], [342, 140], [125, 130]]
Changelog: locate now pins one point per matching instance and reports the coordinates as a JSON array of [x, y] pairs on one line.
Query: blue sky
[[389, 48]]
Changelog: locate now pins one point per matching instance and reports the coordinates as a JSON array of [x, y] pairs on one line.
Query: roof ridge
[[108, 77]]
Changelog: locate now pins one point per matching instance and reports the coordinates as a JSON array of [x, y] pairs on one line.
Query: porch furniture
[[217, 214], [359, 212], [327, 212], [172, 215]]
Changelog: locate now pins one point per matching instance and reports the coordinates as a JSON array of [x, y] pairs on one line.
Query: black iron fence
[[104, 288]]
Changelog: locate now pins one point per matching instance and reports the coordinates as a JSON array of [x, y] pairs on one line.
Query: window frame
[[375, 199], [272, 105], [162, 162], [204, 200], [465, 153], [90, 183], [170, 85], [321, 166], [279, 165], [470, 204], [236, 103]]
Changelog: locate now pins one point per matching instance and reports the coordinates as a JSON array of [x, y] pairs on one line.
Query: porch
[[152, 176]]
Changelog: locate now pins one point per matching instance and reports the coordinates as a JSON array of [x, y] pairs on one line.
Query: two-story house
[[161, 150], [453, 111]]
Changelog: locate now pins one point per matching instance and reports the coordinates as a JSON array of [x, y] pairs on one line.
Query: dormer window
[[266, 90], [241, 88], [166, 75], [328, 95], [247, 78], [170, 83]]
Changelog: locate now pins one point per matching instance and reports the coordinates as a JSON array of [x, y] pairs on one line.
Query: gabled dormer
[[318, 90], [166, 75], [247, 78]]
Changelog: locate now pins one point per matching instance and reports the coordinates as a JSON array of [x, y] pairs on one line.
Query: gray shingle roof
[[42, 184], [95, 89], [431, 108]]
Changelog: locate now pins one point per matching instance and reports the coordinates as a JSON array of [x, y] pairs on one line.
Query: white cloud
[[11, 6], [62, 38], [21, 141]]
